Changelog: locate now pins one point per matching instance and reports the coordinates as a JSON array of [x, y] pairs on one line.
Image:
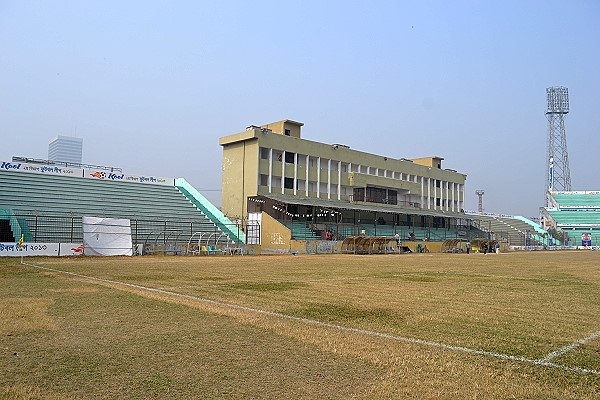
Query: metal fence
[[302, 230], [147, 232]]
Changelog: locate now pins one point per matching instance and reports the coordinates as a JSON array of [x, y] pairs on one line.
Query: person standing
[[485, 248], [497, 248], [468, 246]]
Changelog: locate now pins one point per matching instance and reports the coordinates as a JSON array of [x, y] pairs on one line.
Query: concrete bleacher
[[575, 217], [575, 213], [45, 202], [302, 230], [513, 230], [583, 200]]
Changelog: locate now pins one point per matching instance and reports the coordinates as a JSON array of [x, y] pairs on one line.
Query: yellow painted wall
[[240, 178], [273, 234], [279, 127]]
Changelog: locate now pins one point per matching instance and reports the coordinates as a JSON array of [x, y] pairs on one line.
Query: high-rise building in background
[[65, 148]]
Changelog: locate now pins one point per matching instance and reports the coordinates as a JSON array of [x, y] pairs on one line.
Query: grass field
[[448, 326]]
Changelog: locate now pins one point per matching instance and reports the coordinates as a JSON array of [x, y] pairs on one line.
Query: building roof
[[307, 201]]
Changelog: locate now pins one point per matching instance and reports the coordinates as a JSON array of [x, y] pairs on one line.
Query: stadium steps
[[300, 230], [575, 217], [511, 229], [577, 200], [45, 200]]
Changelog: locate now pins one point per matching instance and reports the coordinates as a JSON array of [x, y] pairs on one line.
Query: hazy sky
[[150, 86]]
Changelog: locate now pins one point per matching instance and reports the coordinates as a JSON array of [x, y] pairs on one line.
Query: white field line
[[375, 277], [343, 328], [570, 347]]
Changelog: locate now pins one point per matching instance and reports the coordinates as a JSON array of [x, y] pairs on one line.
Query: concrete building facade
[[275, 162]]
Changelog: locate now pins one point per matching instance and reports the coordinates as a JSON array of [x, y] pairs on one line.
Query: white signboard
[[71, 249], [40, 249], [29, 249], [40, 169], [119, 176], [86, 173]]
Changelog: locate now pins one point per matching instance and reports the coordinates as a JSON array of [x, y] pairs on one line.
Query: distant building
[[65, 148]]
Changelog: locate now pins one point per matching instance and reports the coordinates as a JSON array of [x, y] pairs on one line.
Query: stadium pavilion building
[[316, 189]]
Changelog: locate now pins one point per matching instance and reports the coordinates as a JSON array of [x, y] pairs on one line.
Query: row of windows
[[368, 194], [288, 183], [301, 159]]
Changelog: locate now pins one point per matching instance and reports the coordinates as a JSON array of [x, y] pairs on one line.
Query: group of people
[[487, 247]]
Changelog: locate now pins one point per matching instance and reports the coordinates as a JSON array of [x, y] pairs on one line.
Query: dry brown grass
[[521, 304], [23, 314]]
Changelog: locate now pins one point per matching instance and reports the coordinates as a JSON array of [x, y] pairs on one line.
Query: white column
[[447, 195], [318, 177], [329, 178], [435, 194], [429, 193], [339, 180], [422, 191], [453, 190], [307, 168], [270, 170], [283, 172], [295, 173]]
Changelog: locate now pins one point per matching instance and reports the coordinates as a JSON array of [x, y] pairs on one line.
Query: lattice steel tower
[[558, 175], [480, 205]]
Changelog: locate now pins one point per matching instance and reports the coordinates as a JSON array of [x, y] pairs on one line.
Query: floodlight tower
[[480, 194], [558, 175]]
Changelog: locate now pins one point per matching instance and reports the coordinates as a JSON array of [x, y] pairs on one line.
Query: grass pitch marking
[[570, 347], [334, 326]]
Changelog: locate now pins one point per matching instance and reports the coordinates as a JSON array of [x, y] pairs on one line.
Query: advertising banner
[[71, 249], [87, 173], [119, 176], [40, 169], [29, 249], [40, 249]]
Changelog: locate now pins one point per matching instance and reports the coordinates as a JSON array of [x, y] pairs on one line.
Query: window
[[287, 132], [359, 194], [375, 195], [264, 180], [289, 183], [264, 153], [392, 197], [289, 157]]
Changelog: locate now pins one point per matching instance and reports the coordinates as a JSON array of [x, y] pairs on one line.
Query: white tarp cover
[[107, 237]]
